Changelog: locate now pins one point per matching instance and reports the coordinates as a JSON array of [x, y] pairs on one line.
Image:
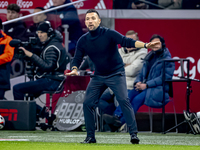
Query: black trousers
[[97, 85], [2, 92]]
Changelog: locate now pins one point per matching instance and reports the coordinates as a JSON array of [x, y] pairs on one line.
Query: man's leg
[[117, 83], [137, 100], [2, 92], [93, 92], [131, 95], [34, 87]]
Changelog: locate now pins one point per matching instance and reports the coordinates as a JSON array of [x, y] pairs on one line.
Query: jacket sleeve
[[169, 70], [49, 63], [79, 54], [121, 39], [8, 52]]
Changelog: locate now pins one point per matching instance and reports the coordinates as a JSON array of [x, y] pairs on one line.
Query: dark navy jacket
[[101, 45], [154, 94]]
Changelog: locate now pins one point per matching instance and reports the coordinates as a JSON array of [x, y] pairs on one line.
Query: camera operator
[[50, 64]]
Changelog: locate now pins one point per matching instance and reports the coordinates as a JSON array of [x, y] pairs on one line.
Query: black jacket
[[17, 30], [52, 61]]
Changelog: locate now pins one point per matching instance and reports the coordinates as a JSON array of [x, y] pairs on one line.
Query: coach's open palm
[[151, 45]]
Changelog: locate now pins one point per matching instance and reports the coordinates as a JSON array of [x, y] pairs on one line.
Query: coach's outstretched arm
[[149, 45]]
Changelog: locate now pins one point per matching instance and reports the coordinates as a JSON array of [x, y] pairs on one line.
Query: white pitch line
[[21, 136], [14, 139]]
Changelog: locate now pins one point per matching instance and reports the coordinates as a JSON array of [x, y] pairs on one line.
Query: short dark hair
[[93, 11], [14, 7], [162, 40], [41, 8]]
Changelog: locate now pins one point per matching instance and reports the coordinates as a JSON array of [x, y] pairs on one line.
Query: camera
[[33, 46]]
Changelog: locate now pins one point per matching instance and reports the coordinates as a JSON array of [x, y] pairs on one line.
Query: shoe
[[134, 139], [114, 120], [89, 140]]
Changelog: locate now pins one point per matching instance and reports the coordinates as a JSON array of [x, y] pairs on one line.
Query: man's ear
[[99, 21]]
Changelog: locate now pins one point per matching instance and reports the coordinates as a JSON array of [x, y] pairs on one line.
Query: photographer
[[50, 65]]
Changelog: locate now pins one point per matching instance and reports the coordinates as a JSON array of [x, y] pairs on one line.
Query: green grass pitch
[[51, 140]]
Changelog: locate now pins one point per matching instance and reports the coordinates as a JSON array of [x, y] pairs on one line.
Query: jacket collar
[[161, 55]]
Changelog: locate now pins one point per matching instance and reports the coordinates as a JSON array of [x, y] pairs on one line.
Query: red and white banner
[[182, 39], [31, 4]]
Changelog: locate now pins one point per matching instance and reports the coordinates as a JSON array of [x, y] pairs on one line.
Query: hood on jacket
[[165, 53]]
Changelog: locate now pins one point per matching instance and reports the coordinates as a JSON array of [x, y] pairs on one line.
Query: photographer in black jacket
[[50, 65]]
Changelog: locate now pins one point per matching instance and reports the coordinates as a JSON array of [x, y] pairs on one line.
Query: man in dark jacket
[[17, 30], [148, 87], [50, 65], [100, 44], [6, 55], [69, 16]]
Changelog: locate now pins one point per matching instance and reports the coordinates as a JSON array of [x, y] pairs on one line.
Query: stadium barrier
[[18, 115]]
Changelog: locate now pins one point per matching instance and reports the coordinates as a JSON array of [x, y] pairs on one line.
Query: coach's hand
[[151, 45], [73, 72]]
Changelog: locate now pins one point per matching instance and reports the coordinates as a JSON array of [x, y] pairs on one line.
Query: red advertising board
[[182, 39], [31, 4]]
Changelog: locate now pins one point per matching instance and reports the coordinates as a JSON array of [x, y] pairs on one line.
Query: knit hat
[[0, 24], [45, 27]]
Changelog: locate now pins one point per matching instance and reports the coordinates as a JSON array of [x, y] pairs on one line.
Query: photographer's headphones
[[50, 28]]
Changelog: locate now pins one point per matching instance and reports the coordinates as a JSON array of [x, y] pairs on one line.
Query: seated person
[[133, 63], [69, 16], [17, 30], [50, 65], [148, 88], [37, 19]]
